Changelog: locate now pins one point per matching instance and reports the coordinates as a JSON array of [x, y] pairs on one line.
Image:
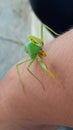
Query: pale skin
[[35, 107]]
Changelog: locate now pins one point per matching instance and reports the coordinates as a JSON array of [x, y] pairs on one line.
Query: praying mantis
[[35, 50]]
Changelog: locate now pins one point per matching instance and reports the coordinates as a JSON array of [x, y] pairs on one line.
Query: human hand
[[33, 105]]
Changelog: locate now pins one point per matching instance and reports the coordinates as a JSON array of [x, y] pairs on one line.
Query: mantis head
[[35, 40], [39, 42]]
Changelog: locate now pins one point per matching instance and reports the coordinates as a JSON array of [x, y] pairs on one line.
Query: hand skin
[[35, 106]]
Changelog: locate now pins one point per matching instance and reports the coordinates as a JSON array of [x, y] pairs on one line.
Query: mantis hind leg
[[51, 30], [28, 68], [18, 72], [42, 31]]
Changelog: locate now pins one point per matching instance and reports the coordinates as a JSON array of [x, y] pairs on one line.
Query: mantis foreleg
[[44, 67]]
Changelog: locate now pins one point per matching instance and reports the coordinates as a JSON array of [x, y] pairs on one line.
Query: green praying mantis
[[35, 50]]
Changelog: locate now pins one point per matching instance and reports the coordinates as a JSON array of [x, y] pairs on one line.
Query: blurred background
[[14, 24], [17, 21]]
